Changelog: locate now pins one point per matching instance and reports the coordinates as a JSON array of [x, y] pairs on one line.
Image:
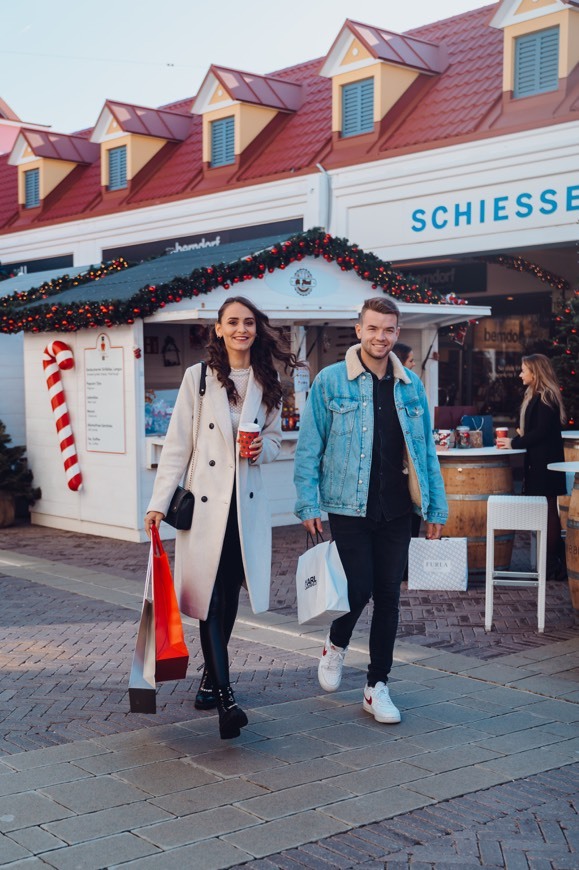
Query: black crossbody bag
[[180, 510]]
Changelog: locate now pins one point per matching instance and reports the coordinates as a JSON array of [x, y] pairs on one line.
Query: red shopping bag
[[171, 653]]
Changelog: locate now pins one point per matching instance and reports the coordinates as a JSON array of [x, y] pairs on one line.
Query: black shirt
[[388, 494]]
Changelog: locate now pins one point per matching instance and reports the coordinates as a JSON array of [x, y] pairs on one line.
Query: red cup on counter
[[247, 432], [443, 439], [501, 432]]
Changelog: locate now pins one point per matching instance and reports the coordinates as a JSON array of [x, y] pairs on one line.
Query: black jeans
[[374, 556], [215, 631]]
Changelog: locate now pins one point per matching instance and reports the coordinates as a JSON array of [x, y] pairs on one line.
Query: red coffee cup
[[247, 433], [502, 431]]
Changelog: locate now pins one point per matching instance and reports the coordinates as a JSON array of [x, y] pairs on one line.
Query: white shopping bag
[[322, 586], [438, 564]]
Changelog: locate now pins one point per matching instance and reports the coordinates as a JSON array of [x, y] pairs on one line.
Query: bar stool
[[524, 513]]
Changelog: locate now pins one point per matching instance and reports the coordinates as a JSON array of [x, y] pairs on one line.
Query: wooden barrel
[[571, 448], [468, 483], [572, 544]]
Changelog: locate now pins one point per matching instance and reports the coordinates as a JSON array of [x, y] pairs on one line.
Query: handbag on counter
[[322, 586], [438, 564], [480, 423], [180, 510]]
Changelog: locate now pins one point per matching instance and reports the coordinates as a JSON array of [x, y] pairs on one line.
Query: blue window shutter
[[32, 188], [118, 168], [537, 63], [223, 142], [358, 108]]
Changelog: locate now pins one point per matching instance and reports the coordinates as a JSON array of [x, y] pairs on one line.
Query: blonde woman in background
[[541, 417]]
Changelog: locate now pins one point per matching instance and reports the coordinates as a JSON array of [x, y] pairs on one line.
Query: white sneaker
[[377, 702], [330, 666]]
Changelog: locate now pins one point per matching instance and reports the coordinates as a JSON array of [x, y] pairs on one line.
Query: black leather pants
[[215, 631]]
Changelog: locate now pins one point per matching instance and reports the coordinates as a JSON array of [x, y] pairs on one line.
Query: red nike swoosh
[[369, 700]]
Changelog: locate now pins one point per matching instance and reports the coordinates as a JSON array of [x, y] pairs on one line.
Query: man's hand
[[314, 525], [434, 531]]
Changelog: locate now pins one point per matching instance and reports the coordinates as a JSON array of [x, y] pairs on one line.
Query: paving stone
[[294, 800], [99, 853], [376, 806], [528, 763], [115, 761], [519, 741], [98, 793], [91, 826], [35, 840], [456, 757], [27, 810], [198, 826], [29, 780], [285, 833], [12, 851], [296, 747], [456, 782], [237, 761], [379, 777], [53, 755], [298, 773], [369, 756], [455, 735], [224, 792], [213, 854], [164, 777]]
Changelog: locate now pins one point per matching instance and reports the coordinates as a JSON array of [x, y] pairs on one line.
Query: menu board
[[104, 397]]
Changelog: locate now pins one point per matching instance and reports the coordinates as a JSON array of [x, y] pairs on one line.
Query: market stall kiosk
[[119, 393]]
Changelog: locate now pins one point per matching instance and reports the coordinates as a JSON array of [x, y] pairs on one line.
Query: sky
[[61, 59]]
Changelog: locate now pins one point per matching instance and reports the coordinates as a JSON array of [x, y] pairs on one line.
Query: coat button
[[203, 498], [251, 495], [212, 425], [211, 462]]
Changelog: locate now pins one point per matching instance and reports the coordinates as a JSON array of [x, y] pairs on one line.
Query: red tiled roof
[[464, 101], [59, 146], [150, 122], [267, 91]]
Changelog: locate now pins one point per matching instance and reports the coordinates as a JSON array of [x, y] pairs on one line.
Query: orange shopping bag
[[171, 653]]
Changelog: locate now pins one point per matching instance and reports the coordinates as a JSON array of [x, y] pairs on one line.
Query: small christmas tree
[[566, 355], [15, 476]]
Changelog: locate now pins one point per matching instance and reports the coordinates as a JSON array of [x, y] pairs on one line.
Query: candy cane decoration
[[57, 355]]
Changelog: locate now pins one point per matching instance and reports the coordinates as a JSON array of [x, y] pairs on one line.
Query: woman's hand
[[255, 448], [504, 443], [153, 518]]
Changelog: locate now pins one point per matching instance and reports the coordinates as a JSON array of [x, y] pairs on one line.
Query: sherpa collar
[[355, 368]]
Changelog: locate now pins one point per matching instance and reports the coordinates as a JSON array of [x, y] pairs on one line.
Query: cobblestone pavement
[[453, 621], [480, 773]]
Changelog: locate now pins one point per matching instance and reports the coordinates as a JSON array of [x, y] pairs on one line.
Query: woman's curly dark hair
[[269, 344]]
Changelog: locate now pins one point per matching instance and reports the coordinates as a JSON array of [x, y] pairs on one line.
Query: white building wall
[[12, 392]]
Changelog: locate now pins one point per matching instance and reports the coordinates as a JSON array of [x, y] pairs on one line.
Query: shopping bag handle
[[310, 538], [156, 543]]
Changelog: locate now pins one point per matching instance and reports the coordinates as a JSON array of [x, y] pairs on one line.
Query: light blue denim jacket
[[334, 452]]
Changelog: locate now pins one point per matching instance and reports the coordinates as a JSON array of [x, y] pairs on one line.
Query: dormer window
[[32, 188], [537, 63], [117, 168], [358, 107], [223, 141]]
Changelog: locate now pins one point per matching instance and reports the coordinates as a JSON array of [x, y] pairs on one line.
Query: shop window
[[537, 63], [32, 188], [222, 142], [358, 108], [118, 168]]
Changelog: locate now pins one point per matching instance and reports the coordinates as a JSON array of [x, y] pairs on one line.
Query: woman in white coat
[[229, 542]]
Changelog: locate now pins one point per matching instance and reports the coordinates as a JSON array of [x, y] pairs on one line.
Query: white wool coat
[[216, 466]]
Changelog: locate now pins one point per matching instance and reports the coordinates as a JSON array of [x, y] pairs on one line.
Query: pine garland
[[55, 317]]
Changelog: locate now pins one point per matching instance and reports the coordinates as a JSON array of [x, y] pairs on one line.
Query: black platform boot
[[205, 698], [231, 717]]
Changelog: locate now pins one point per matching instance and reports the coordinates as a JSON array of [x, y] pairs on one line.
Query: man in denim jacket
[[366, 456]]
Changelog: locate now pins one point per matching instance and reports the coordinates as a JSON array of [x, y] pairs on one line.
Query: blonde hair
[[544, 384]]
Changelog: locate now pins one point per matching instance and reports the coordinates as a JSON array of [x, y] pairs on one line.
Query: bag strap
[[202, 389], [310, 539], [156, 543]]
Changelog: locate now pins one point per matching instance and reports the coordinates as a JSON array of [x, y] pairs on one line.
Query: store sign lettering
[[496, 209], [500, 336]]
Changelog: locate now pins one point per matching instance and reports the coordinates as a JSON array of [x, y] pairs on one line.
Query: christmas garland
[[518, 264], [73, 316], [58, 285]]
